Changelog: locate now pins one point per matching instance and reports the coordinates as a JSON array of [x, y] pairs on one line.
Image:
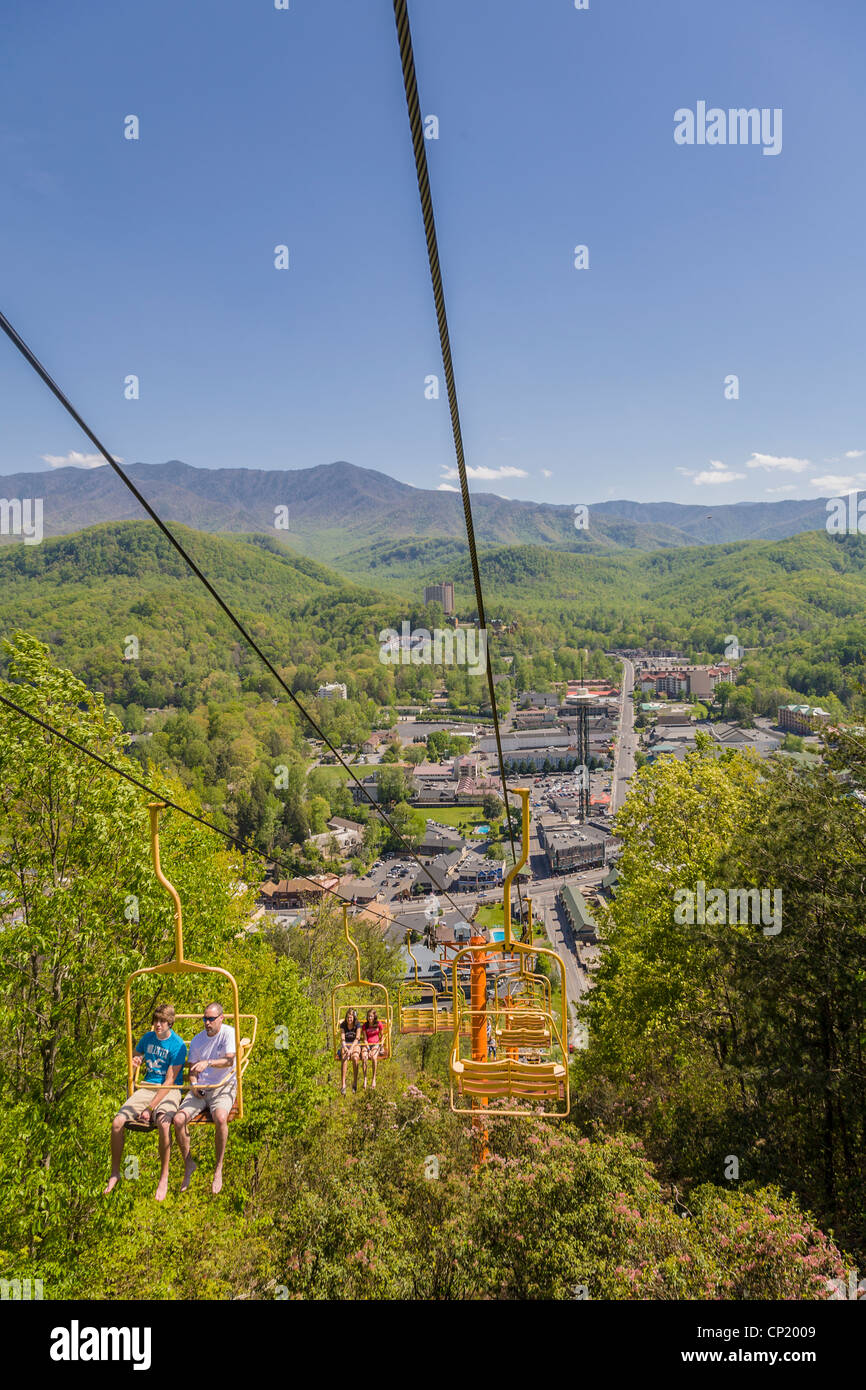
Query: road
[[626, 745], [544, 886]]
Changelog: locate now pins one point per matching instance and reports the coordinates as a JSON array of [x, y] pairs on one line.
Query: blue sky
[[262, 127]]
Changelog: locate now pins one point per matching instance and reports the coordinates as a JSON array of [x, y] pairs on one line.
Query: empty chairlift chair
[[533, 1072], [417, 1001]]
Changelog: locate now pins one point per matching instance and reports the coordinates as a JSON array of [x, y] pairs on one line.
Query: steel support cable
[[37, 366], [235, 840], [410, 83]]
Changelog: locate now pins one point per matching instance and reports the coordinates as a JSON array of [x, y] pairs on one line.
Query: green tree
[[393, 784], [319, 813]]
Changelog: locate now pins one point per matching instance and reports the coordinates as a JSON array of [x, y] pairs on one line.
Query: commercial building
[[574, 906], [379, 740], [569, 847], [439, 874], [441, 593], [696, 681], [679, 738], [334, 690], [803, 719], [471, 791], [296, 892], [477, 873], [535, 718], [535, 699], [439, 839]]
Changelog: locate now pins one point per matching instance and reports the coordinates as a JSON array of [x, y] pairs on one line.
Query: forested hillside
[[118, 607], [712, 1041], [798, 606]]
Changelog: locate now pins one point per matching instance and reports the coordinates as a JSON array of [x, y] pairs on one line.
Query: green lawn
[[335, 773], [458, 815], [491, 916], [495, 917]]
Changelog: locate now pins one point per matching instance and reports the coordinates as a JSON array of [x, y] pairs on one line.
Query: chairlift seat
[[418, 1018], [204, 1117], [510, 1079], [524, 1032]]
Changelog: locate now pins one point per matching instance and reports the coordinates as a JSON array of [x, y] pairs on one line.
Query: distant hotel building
[[441, 593], [700, 681], [334, 690], [803, 719]]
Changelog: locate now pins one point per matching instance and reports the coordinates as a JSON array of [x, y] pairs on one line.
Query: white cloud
[[708, 477], [487, 475], [716, 475], [835, 482], [76, 460], [849, 454], [781, 465], [546, 473], [446, 487]]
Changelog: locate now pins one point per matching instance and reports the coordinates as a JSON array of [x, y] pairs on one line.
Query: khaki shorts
[[221, 1098], [142, 1099]]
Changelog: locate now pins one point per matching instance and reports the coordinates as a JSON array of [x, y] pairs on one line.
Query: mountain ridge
[[335, 504]]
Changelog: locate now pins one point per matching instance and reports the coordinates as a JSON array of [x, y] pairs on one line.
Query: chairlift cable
[[404, 38], [37, 366], [244, 845]]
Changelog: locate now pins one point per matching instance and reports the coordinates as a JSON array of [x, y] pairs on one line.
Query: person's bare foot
[[162, 1189], [112, 1184], [217, 1184], [188, 1170]]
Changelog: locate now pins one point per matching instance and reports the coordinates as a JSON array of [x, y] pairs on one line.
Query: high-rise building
[[441, 593]]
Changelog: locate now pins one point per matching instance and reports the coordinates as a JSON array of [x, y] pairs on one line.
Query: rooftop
[[577, 908]]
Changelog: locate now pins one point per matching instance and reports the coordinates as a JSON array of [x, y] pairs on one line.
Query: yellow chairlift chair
[[360, 994], [540, 1085], [417, 1001], [243, 1023]]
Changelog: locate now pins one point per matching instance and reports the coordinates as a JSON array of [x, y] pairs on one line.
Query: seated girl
[[374, 1044], [350, 1048]]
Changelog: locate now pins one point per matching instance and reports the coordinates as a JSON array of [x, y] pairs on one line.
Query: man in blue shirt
[[163, 1054]]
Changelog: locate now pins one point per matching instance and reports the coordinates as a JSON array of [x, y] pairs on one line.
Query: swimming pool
[[483, 829], [497, 933]]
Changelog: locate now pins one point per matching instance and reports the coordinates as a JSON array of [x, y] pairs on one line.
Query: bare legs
[[117, 1137], [221, 1134], [345, 1057], [164, 1156], [189, 1163]]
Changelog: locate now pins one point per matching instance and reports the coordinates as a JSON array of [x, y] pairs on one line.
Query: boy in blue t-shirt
[[163, 1054]]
